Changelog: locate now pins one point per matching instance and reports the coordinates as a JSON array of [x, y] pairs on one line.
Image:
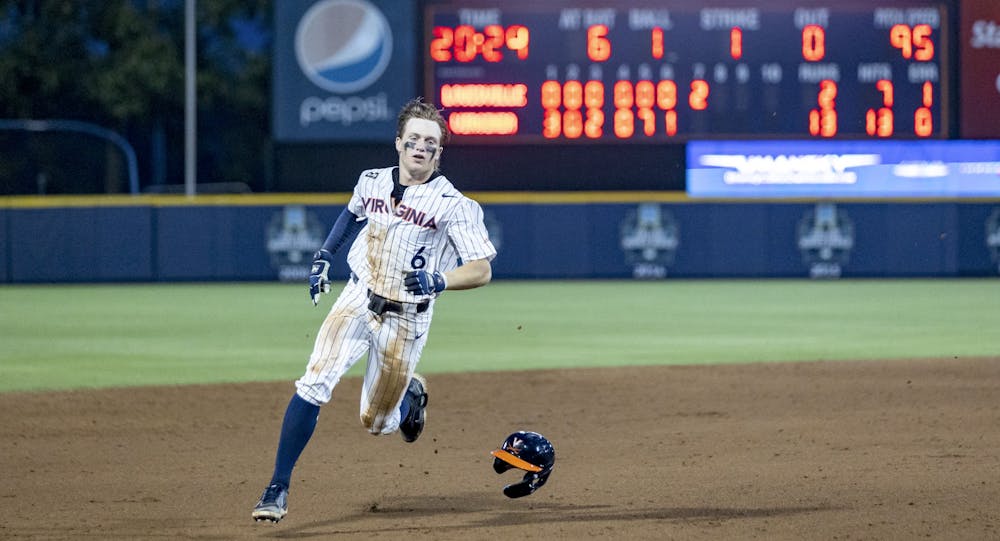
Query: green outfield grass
[[68, 336]]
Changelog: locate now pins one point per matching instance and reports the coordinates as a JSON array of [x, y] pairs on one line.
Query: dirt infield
[[829, 450]]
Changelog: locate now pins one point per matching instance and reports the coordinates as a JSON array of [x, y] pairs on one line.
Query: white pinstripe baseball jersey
[[429, 229]]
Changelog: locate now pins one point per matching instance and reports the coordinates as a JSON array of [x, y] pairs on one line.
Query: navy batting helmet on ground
[[528, 451]]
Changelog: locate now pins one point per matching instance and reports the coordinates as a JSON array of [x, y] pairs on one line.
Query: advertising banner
[[843, 169], [342, 69], [979, 36]]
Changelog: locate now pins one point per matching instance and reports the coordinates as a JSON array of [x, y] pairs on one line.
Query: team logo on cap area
[[343, 45], [516, 446]]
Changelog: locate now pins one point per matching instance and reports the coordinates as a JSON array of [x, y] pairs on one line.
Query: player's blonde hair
[[418, 108]]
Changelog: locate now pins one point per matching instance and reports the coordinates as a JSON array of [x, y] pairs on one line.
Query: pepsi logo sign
[[343, 46]]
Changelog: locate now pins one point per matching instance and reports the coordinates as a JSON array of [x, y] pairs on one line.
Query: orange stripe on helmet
[[515, 461]]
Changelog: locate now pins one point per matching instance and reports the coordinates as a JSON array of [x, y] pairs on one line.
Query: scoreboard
[[645, 71]]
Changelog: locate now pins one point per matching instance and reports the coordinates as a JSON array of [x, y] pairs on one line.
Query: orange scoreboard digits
[[671, 70]]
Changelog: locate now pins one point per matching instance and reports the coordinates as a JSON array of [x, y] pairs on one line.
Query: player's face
[[420, 147]]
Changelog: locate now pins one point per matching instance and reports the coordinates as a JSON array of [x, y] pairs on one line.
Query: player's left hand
[[421, 283], [319, 276]]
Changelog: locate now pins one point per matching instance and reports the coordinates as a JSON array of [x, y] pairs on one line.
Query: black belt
[[380, 305]]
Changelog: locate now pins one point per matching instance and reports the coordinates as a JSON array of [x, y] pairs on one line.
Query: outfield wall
[[619, 235]]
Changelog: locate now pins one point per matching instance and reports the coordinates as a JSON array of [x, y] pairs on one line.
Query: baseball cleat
[[273, 504], [412, 425]]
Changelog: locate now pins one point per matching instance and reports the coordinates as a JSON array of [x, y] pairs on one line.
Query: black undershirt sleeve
[[344, 230]]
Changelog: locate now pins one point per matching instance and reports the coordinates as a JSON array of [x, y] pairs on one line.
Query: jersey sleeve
[[357, 204], [468, 234]]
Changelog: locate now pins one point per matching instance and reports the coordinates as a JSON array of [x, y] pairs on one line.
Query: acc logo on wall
[[343, 45], [826, 237], [993, 236], [293, 236], [650, 237]]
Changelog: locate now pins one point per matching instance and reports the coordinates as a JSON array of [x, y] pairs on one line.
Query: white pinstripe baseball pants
[[393, 343]]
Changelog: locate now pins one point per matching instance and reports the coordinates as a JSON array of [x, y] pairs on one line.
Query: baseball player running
[[415, 235]]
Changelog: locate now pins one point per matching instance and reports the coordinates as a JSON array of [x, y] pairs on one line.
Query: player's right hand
[[319, 276]]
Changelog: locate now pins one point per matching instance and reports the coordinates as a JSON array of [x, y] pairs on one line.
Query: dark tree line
[[120, 65]]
